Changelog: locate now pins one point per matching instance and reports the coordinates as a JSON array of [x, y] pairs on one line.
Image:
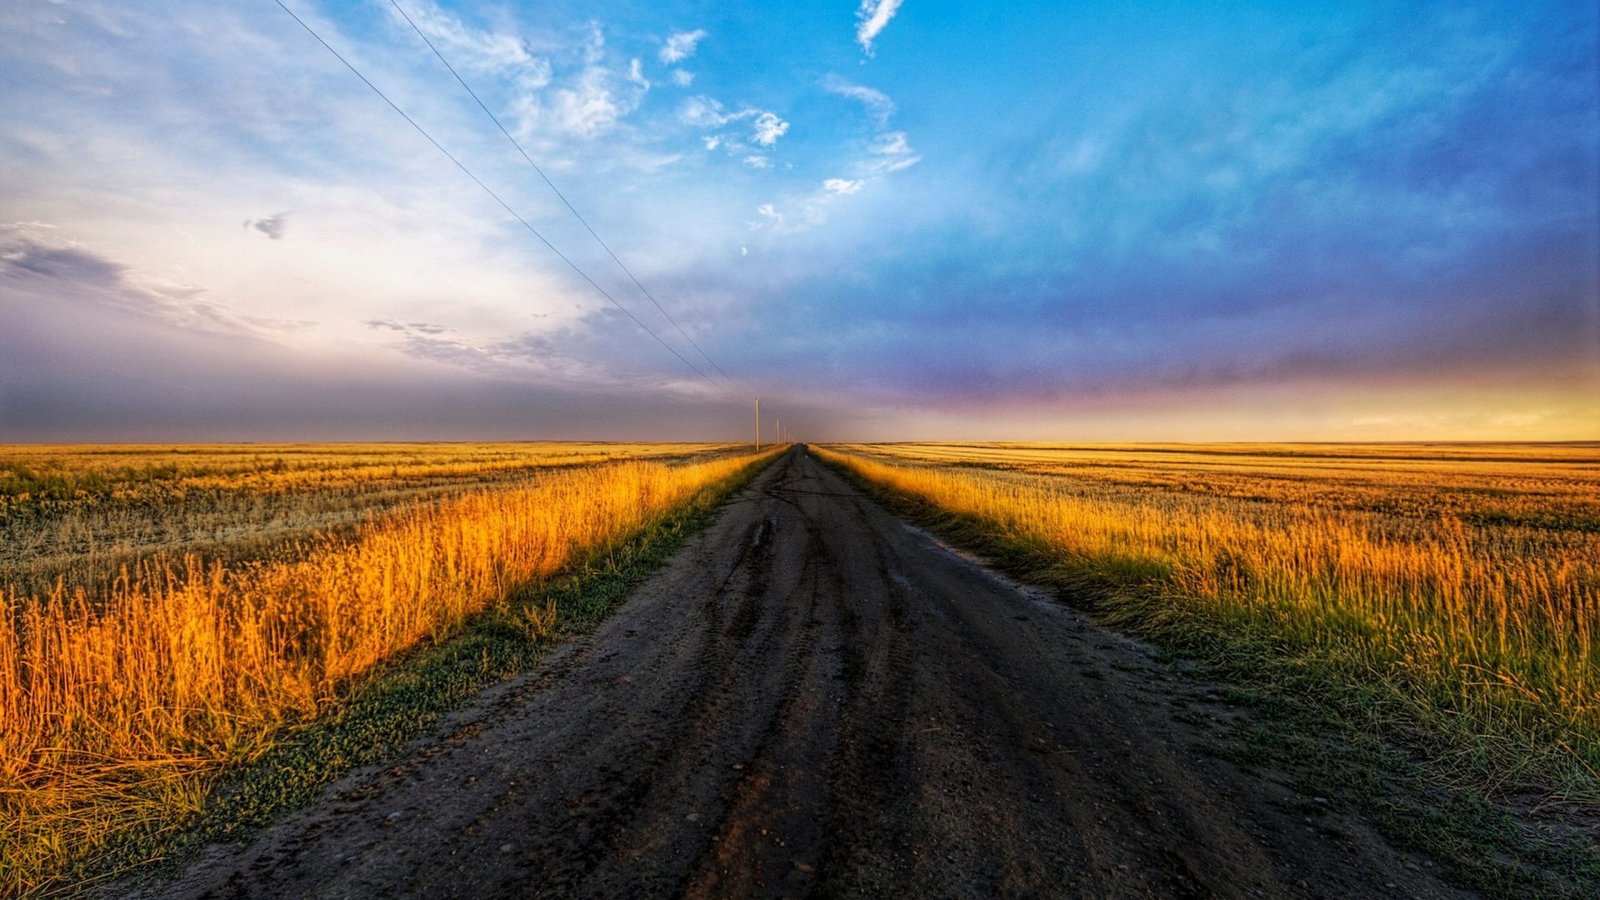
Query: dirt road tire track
[[814, 699]]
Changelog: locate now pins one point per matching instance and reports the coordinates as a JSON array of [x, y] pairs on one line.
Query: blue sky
[[891, 220]]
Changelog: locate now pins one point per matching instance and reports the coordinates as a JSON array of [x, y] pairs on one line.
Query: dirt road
[[813, 698]]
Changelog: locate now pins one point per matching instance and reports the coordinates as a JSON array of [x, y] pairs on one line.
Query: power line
[[486, 189], [585, 222]]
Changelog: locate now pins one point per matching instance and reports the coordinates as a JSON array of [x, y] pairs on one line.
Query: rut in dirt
[[814, 699]]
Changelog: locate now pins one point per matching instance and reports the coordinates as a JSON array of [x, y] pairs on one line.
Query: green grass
[[1427, 781], [402, 702]]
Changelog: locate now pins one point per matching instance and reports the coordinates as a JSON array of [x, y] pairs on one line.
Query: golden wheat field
[[1463, 580], [163, 612]]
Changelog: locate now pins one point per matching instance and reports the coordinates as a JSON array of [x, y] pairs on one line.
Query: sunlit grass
[[114, 700], [79, 513], [1463, 581]]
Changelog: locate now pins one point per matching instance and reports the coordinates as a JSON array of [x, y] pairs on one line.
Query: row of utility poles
[[777, 426]]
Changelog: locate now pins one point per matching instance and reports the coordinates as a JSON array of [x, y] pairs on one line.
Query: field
[[1455, 587], [81, 513], [164, 613]]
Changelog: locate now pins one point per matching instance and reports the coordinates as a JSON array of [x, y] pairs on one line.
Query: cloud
[[474, 47], [582, 89], [681, 78], [636, 74], [707, 112], [884, 153], [876, 101], [757, 161], [23, 254], [681, 46], [405, 327], [272, 226], [871, 18], [35, 260], [768, 128], [894, 153]]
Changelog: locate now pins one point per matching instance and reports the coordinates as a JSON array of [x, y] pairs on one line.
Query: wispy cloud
[[588, 103], [893, 153], [473, 47], [681, 45], [890, 150], [884, 153], [681, 78], [636, 74], [871, 18], [766, 127], [405, 327], [877, 102]]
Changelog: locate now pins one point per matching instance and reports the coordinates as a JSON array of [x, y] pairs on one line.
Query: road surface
[[813, 698]]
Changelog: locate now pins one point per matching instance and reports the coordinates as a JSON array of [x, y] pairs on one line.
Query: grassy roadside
[[1477, 802], [403, 701]]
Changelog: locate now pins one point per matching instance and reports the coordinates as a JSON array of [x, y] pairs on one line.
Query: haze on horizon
[[906, 219]]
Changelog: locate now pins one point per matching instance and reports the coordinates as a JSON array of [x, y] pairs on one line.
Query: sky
[[890, 219]]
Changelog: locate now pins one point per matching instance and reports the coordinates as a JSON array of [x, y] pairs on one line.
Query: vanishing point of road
[[813, 698]]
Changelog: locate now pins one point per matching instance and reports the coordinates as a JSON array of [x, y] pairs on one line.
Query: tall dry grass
[[111, 702], [81, 513], [1491, 624]]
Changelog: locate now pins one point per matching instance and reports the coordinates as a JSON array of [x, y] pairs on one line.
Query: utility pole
[[758, 424], [778, 426]]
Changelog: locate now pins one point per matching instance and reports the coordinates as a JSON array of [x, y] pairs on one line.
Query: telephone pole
[[758, 424]]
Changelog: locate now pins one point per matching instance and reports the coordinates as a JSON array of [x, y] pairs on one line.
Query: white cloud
[[876, 101], [768, 129], [588, 108], [895, 152], [681, 46], [842, 185], [636, 74], [871, 18], [709, 113], [588, 99], [706, 112], [681, 78], [477, 48]]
